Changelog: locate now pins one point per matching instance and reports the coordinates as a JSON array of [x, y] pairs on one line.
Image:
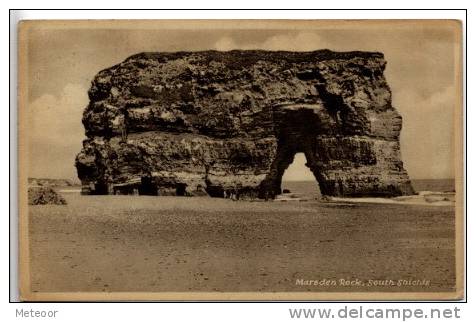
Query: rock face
[[229, 124], [44, 196]]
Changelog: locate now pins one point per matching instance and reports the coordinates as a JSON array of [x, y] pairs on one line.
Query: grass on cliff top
[[240, 59]]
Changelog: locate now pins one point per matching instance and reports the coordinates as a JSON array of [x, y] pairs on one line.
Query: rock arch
[[229, 123]]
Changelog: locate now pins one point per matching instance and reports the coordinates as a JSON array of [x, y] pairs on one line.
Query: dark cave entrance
[[180, 189], [101, 188], [148, 187]]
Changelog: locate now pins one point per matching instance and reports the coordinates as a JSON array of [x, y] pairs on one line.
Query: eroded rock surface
[[229, 124], [44, 196]]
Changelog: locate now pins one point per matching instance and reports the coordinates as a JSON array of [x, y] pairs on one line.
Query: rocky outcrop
[[44, 196], [230, 123]]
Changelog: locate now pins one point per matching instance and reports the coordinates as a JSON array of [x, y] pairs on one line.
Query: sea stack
[[229, 124]]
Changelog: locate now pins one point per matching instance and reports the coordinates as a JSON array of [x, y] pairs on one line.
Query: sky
[[62, 59]]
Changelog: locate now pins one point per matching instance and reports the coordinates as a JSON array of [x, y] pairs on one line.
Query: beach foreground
[[158, 244]]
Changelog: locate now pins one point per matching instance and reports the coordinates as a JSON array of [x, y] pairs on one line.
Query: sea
[[311, 188]]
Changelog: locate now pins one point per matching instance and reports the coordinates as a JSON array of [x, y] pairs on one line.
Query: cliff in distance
[[229, 124]]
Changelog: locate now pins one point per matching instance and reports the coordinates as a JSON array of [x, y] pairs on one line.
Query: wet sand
[[157, 244]]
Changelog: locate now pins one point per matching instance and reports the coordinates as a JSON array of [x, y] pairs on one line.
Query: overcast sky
[[62, 61]]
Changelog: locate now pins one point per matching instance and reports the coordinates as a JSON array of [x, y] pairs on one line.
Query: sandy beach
[[158, 244]]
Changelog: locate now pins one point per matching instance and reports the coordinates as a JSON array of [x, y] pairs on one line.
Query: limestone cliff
[[229, 123]]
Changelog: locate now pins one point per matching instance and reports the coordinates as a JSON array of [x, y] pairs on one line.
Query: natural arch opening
[[298, 178], [297, 127]]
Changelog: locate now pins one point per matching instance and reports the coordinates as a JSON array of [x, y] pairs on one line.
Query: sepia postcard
[[232, 160]]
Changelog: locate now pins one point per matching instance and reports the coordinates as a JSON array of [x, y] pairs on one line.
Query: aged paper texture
[[240, 160]]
